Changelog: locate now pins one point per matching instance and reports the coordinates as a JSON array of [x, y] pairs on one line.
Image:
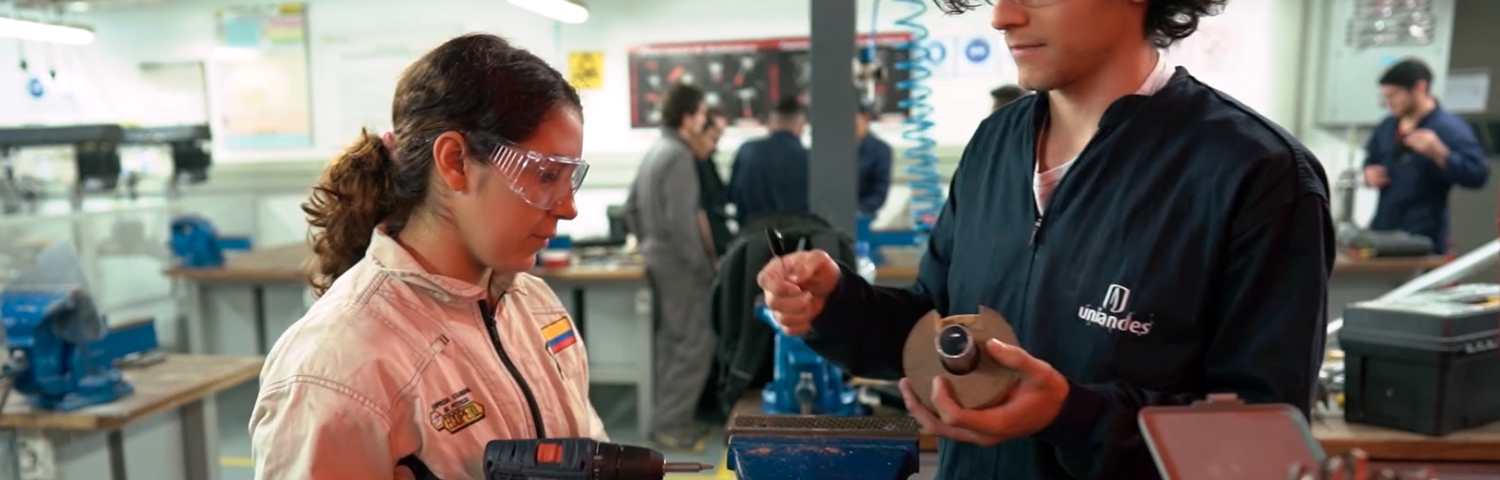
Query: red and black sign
[[746, 78]]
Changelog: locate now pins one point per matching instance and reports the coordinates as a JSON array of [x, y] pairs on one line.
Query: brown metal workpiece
[[985, 386]]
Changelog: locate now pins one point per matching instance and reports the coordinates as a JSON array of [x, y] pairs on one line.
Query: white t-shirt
[[1044, 183]]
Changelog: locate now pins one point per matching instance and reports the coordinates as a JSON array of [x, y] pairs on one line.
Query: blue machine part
[[927, 189], [51, 372], [784, 447], [804, 382], [196, 243], [882, 238]]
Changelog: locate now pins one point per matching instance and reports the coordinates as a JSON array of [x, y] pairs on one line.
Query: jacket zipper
[[536, 411], [1036, 226]]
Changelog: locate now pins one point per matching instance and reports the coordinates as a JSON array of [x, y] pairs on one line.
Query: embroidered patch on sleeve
[[559, 335], [455, 413]]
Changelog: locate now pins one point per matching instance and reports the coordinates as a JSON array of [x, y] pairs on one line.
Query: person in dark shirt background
[[711, 188], [1416, 156], [1186, 251], [874, 164], [769, 174], [1004, 95]]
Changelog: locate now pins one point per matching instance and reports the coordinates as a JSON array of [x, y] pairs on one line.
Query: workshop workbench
[[1468, 451], [283, 266], [1476, 445], [184, 383], [605, 301]]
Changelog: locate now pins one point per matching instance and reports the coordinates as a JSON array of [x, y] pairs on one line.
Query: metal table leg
[[11, 467], [258, 309], [200, 439], [190, 301], [645, 385], [116, 441]]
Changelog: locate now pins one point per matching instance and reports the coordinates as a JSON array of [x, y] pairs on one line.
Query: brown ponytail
[[351, 198]]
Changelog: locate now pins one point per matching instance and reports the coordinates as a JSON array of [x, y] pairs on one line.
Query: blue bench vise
[[878, 239], [196, 244], [62, 352], [809, 447], [803, 382]]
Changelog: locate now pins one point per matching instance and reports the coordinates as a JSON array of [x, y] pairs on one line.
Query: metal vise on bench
[[807, 447], [61, 350]]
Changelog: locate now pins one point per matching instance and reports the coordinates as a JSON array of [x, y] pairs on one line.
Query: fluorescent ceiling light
[[43, 32], [566, 11]]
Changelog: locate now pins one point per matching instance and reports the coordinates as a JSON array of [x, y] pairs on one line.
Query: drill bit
[[778, 249], [691, 467]]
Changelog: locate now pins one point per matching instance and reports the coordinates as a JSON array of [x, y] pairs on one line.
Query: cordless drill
[[577, 459]]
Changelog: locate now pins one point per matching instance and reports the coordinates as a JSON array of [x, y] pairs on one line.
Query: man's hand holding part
[[1028, 408]]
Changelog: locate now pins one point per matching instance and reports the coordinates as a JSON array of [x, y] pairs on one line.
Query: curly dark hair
[[1167, 21]]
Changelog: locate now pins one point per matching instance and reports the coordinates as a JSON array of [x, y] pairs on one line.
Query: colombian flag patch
[[559, 335]]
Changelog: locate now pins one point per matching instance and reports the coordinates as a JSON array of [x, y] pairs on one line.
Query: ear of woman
[[449, 154]]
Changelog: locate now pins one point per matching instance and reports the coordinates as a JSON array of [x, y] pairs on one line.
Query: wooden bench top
[[1480, 444], [176, 381], [285, 264]]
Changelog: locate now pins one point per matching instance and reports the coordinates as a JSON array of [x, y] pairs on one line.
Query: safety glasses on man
[[542, 181]]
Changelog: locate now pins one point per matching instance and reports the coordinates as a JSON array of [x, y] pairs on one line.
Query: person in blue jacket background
[[874, 160], [769, 174], [1416, 156], [1150, 239]]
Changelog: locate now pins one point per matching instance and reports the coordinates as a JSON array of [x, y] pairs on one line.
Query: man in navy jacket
[[1417, 155], [1150, 239], [874, 162], [769, 174]]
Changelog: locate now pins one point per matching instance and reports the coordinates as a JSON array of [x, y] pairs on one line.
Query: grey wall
[[1475, 211]]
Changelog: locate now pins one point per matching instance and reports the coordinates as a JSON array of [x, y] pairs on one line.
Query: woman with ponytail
[[428, 339]]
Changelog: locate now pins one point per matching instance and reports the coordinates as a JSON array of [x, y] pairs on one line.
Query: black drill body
[[576, 459]]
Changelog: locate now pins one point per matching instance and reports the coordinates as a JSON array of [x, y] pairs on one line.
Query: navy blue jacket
[[1186, 252], [1416, 200], [769, 175], [874, 174]]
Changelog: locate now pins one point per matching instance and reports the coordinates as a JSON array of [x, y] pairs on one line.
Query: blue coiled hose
[[927, 187]]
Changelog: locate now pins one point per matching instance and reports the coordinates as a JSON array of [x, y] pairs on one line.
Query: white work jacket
[[395, 363]]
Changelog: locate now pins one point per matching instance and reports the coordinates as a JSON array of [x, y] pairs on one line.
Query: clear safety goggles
[[543, 181]]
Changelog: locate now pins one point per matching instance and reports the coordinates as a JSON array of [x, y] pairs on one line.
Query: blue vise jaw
[[809, 447]]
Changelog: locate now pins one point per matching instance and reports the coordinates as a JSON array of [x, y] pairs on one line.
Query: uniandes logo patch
[[455, 413], [559, 335]]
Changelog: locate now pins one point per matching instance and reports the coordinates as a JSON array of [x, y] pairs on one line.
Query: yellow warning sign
[[586, 70]]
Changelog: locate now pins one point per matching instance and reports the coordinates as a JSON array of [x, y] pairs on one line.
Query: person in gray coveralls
[[664, 209]]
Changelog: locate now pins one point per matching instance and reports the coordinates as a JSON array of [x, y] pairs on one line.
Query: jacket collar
[[671, 135], [392, 259], [1126, 107]]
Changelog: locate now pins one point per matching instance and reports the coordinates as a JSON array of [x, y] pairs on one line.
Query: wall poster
[[745, 78], [263, 81]]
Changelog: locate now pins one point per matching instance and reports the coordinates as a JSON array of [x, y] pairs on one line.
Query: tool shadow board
[[745, 78]]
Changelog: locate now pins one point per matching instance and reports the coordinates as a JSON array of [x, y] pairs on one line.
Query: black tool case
[[1428, 363]]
